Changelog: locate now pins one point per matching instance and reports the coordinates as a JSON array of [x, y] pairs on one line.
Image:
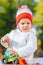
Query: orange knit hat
[[23, 12]]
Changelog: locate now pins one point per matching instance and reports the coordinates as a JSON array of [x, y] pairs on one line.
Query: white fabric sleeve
[[30, 48]]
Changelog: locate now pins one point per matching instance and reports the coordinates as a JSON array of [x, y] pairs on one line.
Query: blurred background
[[8, 9]]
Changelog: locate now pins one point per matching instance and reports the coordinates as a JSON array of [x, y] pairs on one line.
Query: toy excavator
[[8, 59]]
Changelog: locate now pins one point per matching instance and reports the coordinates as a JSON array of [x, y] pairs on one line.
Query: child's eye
[[28, 23], [22, 23]]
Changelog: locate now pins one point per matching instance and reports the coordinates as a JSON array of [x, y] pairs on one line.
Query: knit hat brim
[[23, 15]]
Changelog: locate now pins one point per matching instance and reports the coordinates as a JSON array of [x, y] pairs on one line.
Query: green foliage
[[41, 36], [7, 16], [38, 19], [2, 23]]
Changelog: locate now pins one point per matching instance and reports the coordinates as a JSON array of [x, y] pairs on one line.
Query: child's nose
[[25, 24]]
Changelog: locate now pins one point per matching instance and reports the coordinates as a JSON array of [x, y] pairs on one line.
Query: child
[[22, 41]]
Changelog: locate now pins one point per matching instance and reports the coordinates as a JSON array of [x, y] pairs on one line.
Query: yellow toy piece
[[10, 59]]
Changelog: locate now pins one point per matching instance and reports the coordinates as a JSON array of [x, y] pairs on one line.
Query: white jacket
[[25, 43]]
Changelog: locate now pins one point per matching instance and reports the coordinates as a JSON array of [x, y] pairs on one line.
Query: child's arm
[[5, 41], [30, 48]]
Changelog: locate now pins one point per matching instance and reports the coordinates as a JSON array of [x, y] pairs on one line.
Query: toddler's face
[[25, 25]]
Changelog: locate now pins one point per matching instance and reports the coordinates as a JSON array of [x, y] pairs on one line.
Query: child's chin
[[25, 31]]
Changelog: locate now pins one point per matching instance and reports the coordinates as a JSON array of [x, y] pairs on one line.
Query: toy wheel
[[4, 61], [16, 61]]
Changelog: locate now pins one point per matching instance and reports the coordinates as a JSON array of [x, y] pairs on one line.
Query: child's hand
[[13, 53], [5, 39]]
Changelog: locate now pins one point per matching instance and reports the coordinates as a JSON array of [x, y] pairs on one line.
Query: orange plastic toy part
[[22, 61], [1, 56]]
